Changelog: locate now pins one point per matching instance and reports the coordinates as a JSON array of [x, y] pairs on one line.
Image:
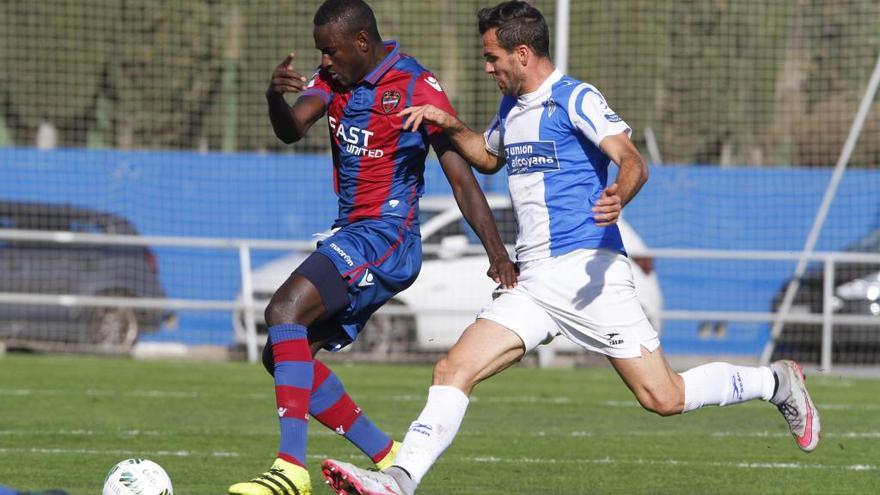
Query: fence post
[[560, 55], [827, 314], [247, 297], [229, 85]]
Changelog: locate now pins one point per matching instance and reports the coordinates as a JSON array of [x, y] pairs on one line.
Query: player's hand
[[413, 117], [606, 211], [503, 271], [285, 79]]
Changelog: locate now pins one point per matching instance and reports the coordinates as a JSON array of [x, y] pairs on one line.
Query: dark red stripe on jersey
[[291, 350], [292, 402], [336, 164], [354, 274], [376, 176]]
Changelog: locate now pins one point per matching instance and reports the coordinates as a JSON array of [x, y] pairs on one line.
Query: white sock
[[723, 384], [432, 433]]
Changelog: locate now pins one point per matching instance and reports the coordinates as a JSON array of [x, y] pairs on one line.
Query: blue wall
[[290, 197]]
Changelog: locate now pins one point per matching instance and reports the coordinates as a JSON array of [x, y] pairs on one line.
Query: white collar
[[543, 89]]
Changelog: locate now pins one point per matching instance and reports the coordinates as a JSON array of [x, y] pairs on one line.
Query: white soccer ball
[[137, 477]]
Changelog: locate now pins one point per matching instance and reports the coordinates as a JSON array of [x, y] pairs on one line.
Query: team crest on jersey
[[390, 100], [550, 105]]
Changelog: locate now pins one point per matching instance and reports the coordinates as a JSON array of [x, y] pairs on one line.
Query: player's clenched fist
[[285, 79], [607, 209]]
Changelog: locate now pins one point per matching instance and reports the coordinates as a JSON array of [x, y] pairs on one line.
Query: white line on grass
[[320, 431], [515, 399], [676, 462], [139, 453], [825, 434], [174, 394], [482, 459], [847, 407]]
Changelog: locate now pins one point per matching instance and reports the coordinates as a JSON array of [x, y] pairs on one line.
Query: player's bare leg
[[656, 386], [484, 349], [660, 389]]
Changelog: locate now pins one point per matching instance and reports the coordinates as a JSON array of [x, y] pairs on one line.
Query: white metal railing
[[247, 304], [244, 247]]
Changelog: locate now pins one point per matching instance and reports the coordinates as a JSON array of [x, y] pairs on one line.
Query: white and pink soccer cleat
[[795, 404], [348, 479]]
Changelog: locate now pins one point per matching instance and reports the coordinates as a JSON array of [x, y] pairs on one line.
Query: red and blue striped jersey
[[378, 169]]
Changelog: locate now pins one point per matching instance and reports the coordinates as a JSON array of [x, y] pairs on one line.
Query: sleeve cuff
[[489, 147]]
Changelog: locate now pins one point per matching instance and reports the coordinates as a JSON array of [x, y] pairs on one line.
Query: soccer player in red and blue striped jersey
[[374, 249]]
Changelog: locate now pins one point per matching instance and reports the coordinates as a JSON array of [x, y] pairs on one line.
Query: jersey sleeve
[[427, 91], [319, 85], [591, 115], [492, 136]]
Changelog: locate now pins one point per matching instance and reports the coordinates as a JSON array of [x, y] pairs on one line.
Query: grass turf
[[64, 421]]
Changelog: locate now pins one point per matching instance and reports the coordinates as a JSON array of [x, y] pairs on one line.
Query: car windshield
[[504, 218]]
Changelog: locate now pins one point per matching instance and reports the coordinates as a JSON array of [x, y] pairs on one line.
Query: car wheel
[[113, 328]]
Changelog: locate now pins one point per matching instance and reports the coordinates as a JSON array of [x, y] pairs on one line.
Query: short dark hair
[[352, 15], [517, 23]]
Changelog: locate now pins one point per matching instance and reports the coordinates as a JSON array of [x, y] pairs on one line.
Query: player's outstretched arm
[[476, 211], [470, 144], [291, 123], [632, 175]]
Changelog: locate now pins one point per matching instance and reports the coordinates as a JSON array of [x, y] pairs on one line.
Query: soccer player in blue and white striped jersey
[[556, 137]]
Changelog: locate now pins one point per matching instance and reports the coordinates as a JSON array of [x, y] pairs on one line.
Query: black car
[[856, 292], [38, 267]]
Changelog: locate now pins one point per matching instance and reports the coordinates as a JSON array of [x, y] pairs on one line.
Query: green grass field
[[64, 421]]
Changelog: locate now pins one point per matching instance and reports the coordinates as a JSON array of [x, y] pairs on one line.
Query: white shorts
[[587, 295]]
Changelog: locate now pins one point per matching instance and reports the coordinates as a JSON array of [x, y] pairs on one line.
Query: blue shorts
[[377, 259]]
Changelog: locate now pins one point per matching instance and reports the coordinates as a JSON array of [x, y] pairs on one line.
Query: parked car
[[35, 267], [452, 286], [856, 292]]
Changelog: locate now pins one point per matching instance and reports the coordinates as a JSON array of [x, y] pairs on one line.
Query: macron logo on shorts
[[341, 253]]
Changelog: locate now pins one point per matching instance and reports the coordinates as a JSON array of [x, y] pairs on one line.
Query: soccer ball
[[137, 477]]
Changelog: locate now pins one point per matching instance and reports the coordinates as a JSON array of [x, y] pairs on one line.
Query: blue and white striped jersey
[[556, 170]]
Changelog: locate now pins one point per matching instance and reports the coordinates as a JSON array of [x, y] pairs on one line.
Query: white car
[[452, 286]]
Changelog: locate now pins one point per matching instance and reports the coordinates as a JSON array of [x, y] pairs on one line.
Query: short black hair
[[517, 23], [352, 15]]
